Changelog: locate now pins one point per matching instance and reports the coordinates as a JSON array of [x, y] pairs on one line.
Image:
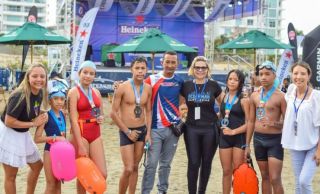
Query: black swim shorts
[[267, 145], [230, 141], [124, 140]]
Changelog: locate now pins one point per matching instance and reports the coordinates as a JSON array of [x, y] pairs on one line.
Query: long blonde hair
[[25, 89]]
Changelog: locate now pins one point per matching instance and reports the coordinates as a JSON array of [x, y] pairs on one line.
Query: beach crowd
[[153, 113]]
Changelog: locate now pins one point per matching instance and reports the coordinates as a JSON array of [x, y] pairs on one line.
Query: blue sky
[[304, 15]]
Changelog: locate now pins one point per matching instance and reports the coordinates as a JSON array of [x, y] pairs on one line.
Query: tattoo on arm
[[278, 124]]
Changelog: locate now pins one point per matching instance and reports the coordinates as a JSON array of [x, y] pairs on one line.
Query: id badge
[[197, 113]]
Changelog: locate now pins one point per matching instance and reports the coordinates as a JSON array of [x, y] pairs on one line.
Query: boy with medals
[[267, 109], [131, 111]]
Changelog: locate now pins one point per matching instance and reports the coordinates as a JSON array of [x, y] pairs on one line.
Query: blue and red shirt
[[165, 99]]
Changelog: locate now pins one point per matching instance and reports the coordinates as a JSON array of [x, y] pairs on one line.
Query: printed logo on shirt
[[36, 108], [204, 97], [169, 84]]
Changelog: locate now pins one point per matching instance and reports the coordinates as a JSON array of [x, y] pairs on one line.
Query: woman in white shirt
[[301, 127]]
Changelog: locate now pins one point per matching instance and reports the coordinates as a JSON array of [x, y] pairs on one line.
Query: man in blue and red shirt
[[166, 86]]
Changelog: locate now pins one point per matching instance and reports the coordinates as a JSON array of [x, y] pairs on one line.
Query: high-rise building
[[13, 13], [266, 16]]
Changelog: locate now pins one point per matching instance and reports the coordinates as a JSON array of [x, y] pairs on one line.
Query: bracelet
[[54, 138], [32, 124], [245, 146], [128, 132]]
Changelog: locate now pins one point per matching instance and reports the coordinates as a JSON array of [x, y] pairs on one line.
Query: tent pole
[[152, 62], [254, 58], [31, 54]]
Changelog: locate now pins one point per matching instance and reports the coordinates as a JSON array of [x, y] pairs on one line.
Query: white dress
[[308, 119]]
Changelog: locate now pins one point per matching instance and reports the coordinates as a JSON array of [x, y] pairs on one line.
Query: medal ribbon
[[198, 96], [138, 97], [89, 95], [228, 105], [60, 123], [296, 109], [264, 99]]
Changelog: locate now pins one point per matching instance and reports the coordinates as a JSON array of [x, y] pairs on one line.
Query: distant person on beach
[[255, 82], [131, 112], [22, 112], [267, 109], [166, 87], [201, 135], [285, 85], [301, 127], [55, 130], [234, 112], [86, 115]]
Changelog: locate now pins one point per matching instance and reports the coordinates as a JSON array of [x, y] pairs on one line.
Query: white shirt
[[308, 119]]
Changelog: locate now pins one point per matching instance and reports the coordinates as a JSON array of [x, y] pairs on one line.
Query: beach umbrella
[[32, 34], [153, 41], [255, 39]]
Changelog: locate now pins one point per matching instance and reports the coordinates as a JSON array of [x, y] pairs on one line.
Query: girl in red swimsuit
[[86, 115]]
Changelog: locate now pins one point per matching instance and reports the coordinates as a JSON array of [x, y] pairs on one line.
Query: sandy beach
[[178, 180]]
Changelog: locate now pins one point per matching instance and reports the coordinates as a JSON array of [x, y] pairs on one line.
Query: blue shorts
[[124, 140]]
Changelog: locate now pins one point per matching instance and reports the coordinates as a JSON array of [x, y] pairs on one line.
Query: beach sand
[[178, 175]]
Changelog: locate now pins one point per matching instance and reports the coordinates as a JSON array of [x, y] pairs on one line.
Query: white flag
[[285, 63], [82, 40]]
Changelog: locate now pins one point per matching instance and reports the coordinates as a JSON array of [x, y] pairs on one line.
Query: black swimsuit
[[236, 119]]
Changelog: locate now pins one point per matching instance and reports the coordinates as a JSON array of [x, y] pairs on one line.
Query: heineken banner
[[292, 35], [81, 41], [285, 63], [108, 30], [311, 55]]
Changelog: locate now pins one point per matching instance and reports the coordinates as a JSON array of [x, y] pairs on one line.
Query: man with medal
[[131, 112], [267, 110], [166, 87]]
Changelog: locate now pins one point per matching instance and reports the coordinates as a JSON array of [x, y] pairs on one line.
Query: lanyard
[[198, 96], [228, 105], [89, 95], [294, 103], [138, 97], [264, 99], [60, 122]]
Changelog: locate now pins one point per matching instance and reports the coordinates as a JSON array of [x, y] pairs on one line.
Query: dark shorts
[[227, 141], [124, 140], [267, 145]]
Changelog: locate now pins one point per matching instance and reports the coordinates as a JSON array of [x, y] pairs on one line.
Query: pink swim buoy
[[63, 160]]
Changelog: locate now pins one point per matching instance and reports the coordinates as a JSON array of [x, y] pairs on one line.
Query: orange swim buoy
[[89, 176], [245, 179]]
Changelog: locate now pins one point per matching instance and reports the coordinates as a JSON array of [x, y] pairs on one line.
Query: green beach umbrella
[[255, 39], [153, 41], [32, 34]]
